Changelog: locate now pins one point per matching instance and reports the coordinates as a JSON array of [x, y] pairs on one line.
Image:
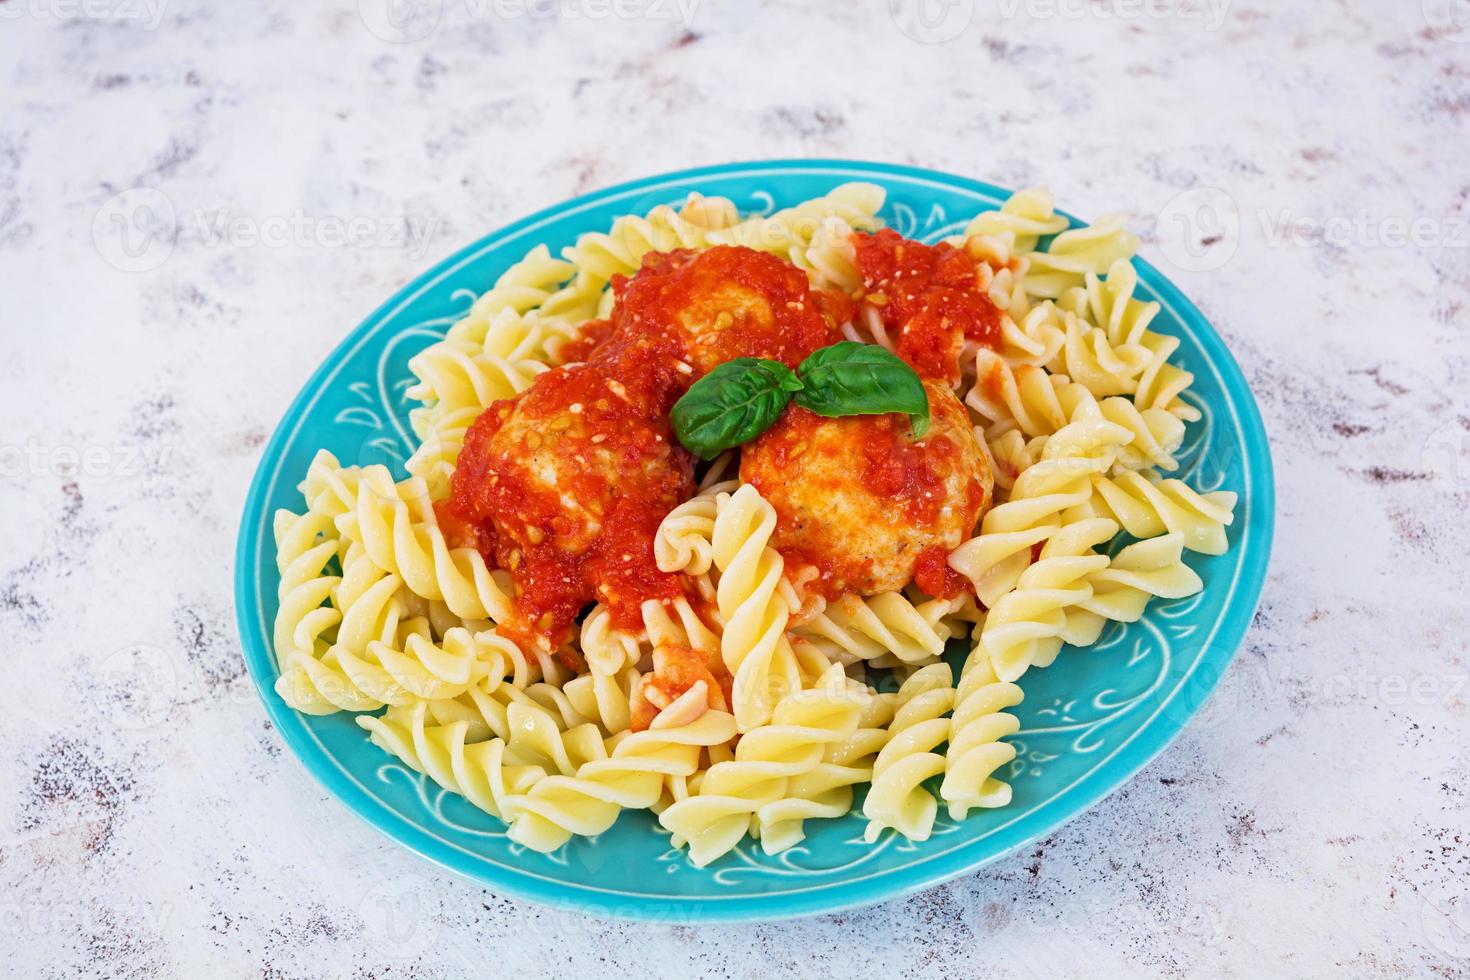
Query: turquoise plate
[[1089, 723]]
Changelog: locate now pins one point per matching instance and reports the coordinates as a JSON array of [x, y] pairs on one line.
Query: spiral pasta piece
[[686, 650], [676, 623], [684, 542], [1147, 507], [486, 709], [385, 651], [368, 604], [1076, 252], [825, 791], [975, 751], [329, 487], [417, 668], [1086, 356], [1123, 321], [512, 333], [602, 698], [1024, 628], [754, 646], [406, 540], [897, 797], [631, 776], [862, 628], [478, 771], [1120, 592], [1161, 383], [790, 232], [600, 256], [1031, 335], [305, 545], [1025, 217], [441, 437], [453, 377], [486, 771], [1036, 403], [1112, 307], [995, 558], [605, 692], [830, 260], [715, 818], [524, 286]]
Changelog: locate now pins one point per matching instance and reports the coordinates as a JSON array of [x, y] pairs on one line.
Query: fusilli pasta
[[735, 701]]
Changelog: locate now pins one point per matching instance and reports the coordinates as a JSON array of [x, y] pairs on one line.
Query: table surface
[[1298, 168]]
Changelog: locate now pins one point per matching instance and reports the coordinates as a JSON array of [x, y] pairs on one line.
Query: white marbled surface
[[1312, 822]]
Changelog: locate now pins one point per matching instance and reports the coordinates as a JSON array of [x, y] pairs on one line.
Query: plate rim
[[1143, 747]]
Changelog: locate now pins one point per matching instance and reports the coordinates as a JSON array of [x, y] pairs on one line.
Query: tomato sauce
[[929, 296], [591, 336], [936, 578]]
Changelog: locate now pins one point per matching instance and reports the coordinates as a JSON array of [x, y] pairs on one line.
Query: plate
[[1089, 722]]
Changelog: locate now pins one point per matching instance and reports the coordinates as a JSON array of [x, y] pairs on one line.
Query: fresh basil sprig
[[733, 404], [740, 399], [861, 379]]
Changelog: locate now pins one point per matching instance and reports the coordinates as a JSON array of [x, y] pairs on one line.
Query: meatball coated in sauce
[[863, 502], [565, 486], [710, 307]]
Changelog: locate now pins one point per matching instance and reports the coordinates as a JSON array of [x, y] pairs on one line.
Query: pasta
[[408, 542], [569, 606], [975, 751], [826, 790], [755, 647], [631, 776], [305, 545], [1058, 482], [888, 624], [803, 725], [897, 799], [1148, 507]]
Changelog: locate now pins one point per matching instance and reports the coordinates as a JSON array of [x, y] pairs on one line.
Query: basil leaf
[[733, 404], [862, 379]]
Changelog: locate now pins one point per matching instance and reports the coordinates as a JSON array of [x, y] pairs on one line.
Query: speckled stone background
[[1299, 167]]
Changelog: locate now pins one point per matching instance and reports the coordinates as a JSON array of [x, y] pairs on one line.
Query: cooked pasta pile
[[777, 641]]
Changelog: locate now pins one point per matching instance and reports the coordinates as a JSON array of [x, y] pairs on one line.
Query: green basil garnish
[[862, 379], [733, 404], [740, 399]]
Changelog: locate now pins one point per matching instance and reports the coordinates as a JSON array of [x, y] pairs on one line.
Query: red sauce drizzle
[[936, 578], [928, 295]]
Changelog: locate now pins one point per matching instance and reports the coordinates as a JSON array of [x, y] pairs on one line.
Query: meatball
[[730, 301], [861, 500], [564, 486]]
